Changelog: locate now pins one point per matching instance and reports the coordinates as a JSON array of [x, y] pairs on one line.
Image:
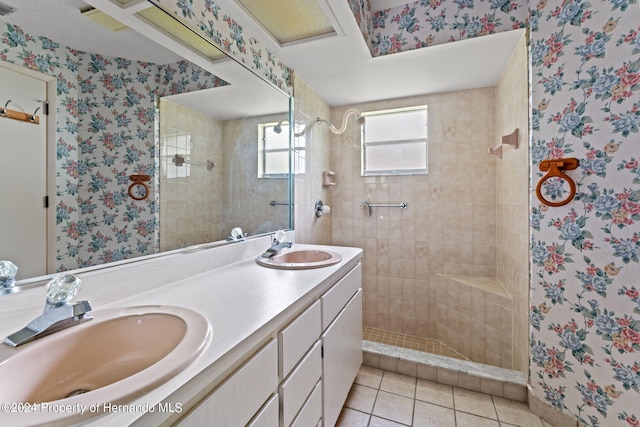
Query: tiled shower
[[452, 267], [190, 205], [217, 188]]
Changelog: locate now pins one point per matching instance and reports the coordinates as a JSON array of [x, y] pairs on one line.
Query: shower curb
[[445, 370]]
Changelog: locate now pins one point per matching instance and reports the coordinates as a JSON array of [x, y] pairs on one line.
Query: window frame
[[263, 131], [390, 143]]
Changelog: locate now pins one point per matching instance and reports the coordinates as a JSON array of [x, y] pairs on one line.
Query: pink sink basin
[[300, 259], [116, 357]]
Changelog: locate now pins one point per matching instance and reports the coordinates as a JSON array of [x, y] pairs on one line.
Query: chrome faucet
[[59, 312], [277, 244]]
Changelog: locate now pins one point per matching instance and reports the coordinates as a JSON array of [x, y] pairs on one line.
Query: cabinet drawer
[[297, 387], [268, 416], [236, 401], [311, 412], [339, 295], [298, 337]]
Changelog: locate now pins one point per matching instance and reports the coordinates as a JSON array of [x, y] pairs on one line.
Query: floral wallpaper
[[430, 22], [105, 110], [585, 256], [206, 18], [361, 10]]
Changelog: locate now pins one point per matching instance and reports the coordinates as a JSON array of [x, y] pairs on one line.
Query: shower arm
[[345, 121]]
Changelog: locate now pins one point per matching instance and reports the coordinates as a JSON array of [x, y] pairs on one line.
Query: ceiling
[[61, 21], [338, 67]]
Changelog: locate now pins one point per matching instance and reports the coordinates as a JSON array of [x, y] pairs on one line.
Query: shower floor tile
[[412, 342]]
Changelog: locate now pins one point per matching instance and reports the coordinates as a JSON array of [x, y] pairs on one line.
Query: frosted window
[[394, 142], [404, 157], [273, 151], [276, 162], [277, 141]]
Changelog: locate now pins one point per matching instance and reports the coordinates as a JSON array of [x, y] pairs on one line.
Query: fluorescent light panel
[[290, 20], [103, 19], [161, 20]]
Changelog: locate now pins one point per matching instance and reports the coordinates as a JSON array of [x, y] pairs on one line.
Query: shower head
[[278, 128], [359, 121]]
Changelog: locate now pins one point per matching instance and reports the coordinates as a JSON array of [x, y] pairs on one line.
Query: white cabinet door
[[342, 344], [236, 401]]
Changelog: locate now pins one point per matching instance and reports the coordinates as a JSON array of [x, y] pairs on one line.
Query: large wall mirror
[[149, 146], [222, 169]]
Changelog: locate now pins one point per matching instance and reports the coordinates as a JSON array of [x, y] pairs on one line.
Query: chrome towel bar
[[401, 205]]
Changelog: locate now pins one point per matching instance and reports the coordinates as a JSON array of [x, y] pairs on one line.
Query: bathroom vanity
[[313, 359], [285, 345]]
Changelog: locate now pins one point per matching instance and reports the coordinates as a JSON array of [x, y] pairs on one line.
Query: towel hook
[[4, 110], [32, 119], [555, 167]]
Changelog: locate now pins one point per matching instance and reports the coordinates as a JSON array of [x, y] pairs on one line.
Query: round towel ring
[[139, 180], [554, 167]]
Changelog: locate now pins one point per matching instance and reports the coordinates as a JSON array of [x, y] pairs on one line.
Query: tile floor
[[386, 399], [412, 342]]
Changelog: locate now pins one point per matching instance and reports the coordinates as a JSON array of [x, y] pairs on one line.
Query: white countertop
[[244, 303]]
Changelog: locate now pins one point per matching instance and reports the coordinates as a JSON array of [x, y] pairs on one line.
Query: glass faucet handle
[[8, 271], [237, 233], [280, 235], [62, 288]]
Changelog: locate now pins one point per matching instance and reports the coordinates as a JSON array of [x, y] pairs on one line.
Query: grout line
[[415, 397], [453, 395], [375, 399], [456, 411]]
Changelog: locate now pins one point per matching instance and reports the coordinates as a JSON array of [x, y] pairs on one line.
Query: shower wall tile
[[191, 206], [449, 225], [190, 210], [308, 184], [512, 197], [246, 197], [474, 317]]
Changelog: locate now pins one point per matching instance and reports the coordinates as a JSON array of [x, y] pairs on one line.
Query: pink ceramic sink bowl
[[300, 259], [116, 357]]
